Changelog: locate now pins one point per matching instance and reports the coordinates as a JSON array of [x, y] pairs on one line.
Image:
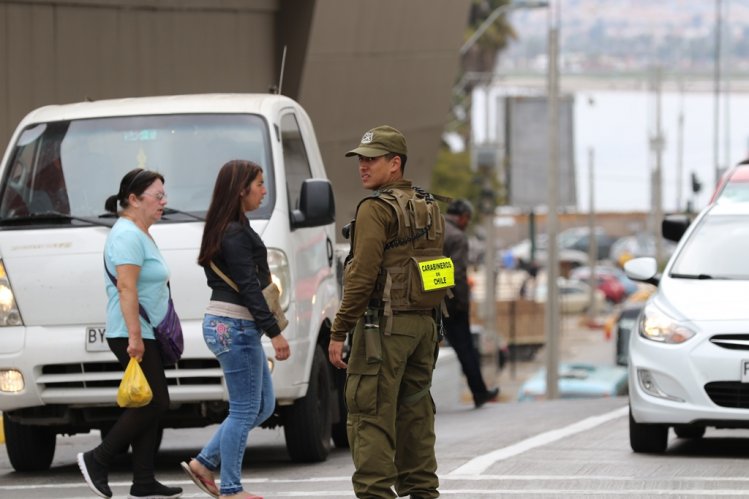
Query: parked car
[[624, 323], [573, 246], [574, 296], [578, 381], [615, 293], [578, 238], [638, 245], [689, 361], [733, 186]]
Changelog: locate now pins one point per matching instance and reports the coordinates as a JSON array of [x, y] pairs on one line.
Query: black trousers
[[458, 332], [139, 426]]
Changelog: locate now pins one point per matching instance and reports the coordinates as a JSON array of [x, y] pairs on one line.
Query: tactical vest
[[415, 275]]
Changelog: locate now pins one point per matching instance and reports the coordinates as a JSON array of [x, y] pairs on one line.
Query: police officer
[[390, 308]]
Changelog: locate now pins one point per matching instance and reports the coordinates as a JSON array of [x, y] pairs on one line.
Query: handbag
[[134, 390], [168, 332], [271, 293]]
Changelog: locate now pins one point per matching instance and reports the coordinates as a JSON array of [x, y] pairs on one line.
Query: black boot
[[154, 490]]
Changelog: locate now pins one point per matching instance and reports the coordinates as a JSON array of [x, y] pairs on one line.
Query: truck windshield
[[72, 167]]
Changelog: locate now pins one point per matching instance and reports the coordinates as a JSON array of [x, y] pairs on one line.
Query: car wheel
[[648, 438], [689, 431], [30, 448]]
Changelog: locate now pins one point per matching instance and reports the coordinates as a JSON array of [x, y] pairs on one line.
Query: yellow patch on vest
[[437, 274]]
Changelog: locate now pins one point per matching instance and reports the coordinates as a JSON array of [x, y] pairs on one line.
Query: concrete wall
[[353, 64]]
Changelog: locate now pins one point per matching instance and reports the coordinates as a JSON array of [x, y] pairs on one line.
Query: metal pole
[[726, 63], [592, 242], [716, 90], [552, 263], [680, 149], [658, 174], [491, 18]]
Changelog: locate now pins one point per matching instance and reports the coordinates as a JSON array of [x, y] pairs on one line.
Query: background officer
[[457, 323], [390, 410]]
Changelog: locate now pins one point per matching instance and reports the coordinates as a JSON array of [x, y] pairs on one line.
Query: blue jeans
[[236, 345]]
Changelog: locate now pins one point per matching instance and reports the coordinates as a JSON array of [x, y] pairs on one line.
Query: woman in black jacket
[[235, 320]]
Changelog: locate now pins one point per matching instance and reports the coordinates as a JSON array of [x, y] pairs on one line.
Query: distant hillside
[[628, 35]]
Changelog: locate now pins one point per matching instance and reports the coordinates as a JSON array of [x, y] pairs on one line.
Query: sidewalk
[[579, 343]]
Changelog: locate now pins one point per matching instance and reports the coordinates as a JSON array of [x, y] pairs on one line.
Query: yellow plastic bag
[[134, 390]]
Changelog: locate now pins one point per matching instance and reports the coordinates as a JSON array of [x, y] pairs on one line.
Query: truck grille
[[109, 374], [729, 394]]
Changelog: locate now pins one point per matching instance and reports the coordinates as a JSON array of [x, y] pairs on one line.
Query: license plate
[[745, 371], [95, 341]]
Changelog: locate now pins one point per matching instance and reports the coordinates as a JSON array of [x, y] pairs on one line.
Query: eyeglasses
[[159, 196]]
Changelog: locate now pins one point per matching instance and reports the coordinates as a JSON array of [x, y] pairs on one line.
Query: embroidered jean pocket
[[217, 335]]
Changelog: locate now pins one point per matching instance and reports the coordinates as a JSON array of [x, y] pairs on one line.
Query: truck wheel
[[30, 448], [648, 438], [307, 423]]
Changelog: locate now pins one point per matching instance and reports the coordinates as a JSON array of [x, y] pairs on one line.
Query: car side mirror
[[674, 226], [643, 269], [316, 204]]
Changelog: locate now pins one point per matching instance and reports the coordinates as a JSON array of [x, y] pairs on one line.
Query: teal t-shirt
[[128, 245]]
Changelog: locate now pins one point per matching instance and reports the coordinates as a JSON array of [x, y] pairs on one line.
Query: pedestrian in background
[[457, 323], [234, 323], [394, 345], [133, 260]]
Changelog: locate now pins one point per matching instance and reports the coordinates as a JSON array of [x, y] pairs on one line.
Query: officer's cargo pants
[[391, 412]]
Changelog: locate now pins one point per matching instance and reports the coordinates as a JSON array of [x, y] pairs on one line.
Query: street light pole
[[552, 270], [491, 18]]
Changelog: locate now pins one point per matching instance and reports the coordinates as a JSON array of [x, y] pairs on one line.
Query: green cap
[[380, 140]]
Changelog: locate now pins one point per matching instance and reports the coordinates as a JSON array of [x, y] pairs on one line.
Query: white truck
[[57, 375]]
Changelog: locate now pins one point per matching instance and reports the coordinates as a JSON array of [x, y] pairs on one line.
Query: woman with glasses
[[137, 275]]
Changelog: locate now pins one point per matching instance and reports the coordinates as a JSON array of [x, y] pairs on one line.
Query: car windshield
[[717, 248], [734, 192], [69, 168]]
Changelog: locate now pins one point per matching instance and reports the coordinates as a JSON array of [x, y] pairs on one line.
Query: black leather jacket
[[244, 259]]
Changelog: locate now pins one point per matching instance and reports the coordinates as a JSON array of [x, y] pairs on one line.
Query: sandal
[[203, 483]]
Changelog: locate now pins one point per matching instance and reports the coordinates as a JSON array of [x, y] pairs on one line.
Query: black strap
[[142, 310]]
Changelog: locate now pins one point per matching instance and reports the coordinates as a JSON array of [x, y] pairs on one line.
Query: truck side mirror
[[316, 204], [674, 226]]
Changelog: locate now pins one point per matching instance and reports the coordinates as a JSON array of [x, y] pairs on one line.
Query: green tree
[[478, 62], [452, 177]]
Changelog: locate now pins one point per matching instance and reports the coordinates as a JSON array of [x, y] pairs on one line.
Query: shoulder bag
[[271, 293], [168, 332]]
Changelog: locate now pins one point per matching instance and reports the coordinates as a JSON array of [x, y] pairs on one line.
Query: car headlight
[[657, 326], [9, 313], [279, 273]]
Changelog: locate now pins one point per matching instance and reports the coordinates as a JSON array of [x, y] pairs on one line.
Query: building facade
[[352, 64]]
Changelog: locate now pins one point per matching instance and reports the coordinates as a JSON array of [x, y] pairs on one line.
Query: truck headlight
[[279, 273], [9, 313], [11, 381], [657, 326]]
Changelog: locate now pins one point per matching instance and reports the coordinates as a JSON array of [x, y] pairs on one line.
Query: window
[[295, 159]]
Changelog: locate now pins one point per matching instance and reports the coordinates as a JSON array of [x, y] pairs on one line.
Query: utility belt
[[370, 327]]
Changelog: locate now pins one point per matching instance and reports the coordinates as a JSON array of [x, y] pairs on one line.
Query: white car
[[689, 355]]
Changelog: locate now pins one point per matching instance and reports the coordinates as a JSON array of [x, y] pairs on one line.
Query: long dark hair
[[135, 181], [226, 205]]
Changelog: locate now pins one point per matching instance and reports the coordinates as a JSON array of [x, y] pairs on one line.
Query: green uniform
[[390, 410]]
